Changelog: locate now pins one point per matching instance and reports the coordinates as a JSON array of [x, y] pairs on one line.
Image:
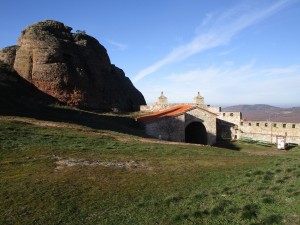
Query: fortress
[[204, 124]]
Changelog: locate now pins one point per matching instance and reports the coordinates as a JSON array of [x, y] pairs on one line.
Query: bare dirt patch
[[62, 163]]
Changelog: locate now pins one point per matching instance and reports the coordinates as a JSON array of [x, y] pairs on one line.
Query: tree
[[80, 32]]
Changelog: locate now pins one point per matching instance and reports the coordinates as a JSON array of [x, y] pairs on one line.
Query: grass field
[[62, 173]]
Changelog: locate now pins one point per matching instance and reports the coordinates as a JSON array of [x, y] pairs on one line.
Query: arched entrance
[[195, 133]]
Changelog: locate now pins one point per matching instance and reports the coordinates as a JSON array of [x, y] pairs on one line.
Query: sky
[[231, 51]]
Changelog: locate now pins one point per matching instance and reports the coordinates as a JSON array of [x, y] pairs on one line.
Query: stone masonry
[[224, 125]]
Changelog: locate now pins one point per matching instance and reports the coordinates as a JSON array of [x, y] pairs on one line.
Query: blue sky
[[233, 51]]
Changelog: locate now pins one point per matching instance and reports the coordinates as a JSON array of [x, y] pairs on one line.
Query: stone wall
[[169, 128], [173, 128], [207, 118], [231, 126], [267, 131], [227, 125], [213, 109], [230, 117], [157, 107]]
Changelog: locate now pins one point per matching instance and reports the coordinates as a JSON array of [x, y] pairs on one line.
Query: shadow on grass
[[18, 97], [227, 145], [291, 146], [122, 124]]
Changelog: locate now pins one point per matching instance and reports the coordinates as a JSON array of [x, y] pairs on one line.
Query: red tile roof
[[174, 111]]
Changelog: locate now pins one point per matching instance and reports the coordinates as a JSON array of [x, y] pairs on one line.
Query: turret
[[199, 100], [162, 100]]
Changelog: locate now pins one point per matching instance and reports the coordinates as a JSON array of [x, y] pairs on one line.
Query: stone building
[[162, 104], [269, 131], [228, 125], [189, 123], [231, 125], [203, 124]]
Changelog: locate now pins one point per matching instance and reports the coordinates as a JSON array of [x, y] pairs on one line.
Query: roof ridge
[[171, 112]]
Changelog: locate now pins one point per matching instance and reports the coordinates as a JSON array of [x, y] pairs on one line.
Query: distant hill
[[262, 112], [244, 108]]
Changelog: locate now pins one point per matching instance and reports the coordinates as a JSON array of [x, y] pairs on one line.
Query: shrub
[[268, 200], [250, 211], [173, 199], [268, 176], [80, 32], [273, 219], [197, 214], [180, 217], [258, 172], [200, 196]]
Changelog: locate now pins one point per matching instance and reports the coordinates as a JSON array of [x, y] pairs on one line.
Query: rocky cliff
[[72, 67], [18, 96]]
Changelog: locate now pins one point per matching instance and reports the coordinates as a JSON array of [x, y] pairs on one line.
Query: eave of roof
[[171, 112]]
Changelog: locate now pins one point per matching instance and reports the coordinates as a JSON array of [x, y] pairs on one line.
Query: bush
[[250, 211], [81, 32], [268, 200], [273, 219]]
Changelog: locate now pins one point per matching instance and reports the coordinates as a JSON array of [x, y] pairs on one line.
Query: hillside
[[245, 108], [262, 112], [62, 173]]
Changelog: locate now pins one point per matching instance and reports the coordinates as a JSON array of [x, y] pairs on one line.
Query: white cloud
[[215, 73], [120, 46], [216, 30], [240, 85], [227, 52], [280, 71], [207, 19]]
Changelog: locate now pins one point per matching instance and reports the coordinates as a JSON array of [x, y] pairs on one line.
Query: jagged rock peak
[[50, 24], [72, 67]]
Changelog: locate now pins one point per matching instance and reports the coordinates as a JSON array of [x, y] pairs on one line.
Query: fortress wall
[[230, 117], [213, 109], [267, 131]]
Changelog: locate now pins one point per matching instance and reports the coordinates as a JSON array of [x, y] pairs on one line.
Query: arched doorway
[[195, 133]]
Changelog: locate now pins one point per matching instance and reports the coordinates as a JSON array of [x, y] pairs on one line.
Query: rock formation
[[72, 67], [18, 95]]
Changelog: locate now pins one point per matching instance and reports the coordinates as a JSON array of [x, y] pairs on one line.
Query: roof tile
[[174, 111]]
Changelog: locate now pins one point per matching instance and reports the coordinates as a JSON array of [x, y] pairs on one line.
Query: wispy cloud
[[217, 30], [120, 46], [280, 71], [241, 84], [227, 52]]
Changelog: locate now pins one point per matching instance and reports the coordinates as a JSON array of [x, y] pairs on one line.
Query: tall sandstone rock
[[72, 67]]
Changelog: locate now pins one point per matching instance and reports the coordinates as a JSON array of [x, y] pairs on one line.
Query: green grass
[[172, 184]]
